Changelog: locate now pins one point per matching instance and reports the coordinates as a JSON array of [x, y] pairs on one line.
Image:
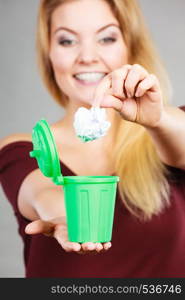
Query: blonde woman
[[97, 52]]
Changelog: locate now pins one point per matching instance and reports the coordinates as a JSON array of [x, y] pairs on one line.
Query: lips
[[89, 77]]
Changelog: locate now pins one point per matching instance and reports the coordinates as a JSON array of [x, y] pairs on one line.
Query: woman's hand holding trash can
[[57, 228]]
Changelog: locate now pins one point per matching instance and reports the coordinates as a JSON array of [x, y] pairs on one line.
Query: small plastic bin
[[89, 200]]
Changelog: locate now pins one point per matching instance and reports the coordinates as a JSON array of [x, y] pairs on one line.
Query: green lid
[[45, 152]]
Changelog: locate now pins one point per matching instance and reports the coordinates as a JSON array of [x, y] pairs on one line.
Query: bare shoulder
[[16, 137]]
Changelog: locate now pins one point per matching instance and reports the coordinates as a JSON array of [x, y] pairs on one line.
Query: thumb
[[40, 226]]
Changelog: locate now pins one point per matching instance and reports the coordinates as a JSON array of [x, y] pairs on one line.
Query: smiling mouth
[[89, 77]]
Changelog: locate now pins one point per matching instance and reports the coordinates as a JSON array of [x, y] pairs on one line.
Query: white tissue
[[90, 124]]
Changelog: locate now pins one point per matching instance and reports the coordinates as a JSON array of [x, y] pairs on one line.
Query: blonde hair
[[143, 182]]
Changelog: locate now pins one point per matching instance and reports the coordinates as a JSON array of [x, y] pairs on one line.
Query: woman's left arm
[[169, 137], [137, 96]]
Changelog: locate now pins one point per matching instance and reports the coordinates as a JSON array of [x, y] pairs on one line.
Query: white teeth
[[90, 77]]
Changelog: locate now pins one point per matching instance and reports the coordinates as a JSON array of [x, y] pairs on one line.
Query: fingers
[[114, 81], [118, 81], [101, 90], [150, 83], [94, 248], [40, 226], [59, 232], [107, 245], [130, 81], [110, 101], [70, 246], [99, 247], [135, 75], [84, 248], [61, 235], [88, 246], [125, 80]]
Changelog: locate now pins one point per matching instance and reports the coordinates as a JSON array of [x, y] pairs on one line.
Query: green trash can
[[89, 200]]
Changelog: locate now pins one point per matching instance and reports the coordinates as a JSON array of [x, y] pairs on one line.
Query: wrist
[[160, 124]]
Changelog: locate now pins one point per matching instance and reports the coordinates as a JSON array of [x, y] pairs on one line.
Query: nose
[[88, 54]]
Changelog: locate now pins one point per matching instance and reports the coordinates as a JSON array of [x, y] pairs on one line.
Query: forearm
[[49, 204], [169, 137]]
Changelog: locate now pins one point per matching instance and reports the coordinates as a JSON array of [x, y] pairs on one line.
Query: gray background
[[24, 99]]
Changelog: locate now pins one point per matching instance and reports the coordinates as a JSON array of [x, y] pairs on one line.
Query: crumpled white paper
[[90, 124]]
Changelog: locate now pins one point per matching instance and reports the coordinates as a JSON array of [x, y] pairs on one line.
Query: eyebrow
[[74, 32]]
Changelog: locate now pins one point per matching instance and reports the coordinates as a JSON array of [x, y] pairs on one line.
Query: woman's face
[[86, 44]]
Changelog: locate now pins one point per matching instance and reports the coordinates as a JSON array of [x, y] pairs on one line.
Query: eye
[[66, 42], [108, 40]]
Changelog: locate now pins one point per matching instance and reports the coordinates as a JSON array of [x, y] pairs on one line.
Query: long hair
[[143, 185]]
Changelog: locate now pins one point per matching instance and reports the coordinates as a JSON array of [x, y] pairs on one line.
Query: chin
[[85, 102]]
